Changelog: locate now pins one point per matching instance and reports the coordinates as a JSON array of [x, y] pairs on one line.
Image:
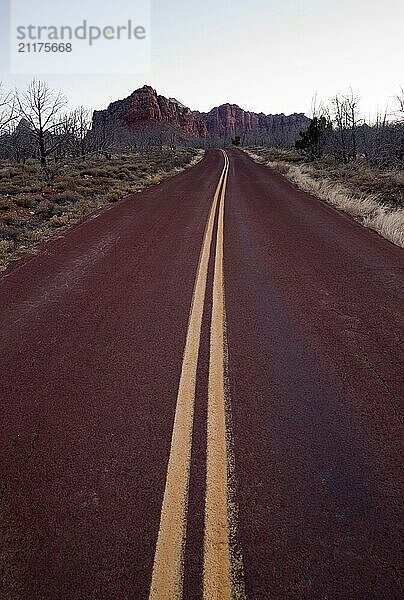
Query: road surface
[[200, 398]]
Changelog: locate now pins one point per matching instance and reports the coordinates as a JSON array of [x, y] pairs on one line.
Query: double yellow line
[[168, 568]]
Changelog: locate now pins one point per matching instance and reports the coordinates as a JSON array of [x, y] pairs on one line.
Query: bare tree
[[81, 124], [351, 103], [400, 124], [7, 109], [106, 135], [400, 103], [339, 117], [42, 108], [18, 144]]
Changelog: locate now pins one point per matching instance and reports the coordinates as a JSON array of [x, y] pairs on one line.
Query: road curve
[[201, 398]]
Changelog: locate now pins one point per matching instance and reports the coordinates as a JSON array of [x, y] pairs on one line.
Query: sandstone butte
[[144, 107]]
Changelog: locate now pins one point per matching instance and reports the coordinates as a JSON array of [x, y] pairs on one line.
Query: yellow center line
[[217, 578], [167, 576]]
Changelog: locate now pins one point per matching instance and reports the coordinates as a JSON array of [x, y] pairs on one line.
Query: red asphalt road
[[92, 337]]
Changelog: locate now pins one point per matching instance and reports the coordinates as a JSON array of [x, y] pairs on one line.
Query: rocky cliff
[[144, 107]]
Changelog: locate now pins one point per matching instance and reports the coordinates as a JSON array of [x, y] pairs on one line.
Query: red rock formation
[[146, 108]]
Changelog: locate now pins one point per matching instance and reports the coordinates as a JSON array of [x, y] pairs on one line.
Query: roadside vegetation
[[354, 165], [32, 208], [55, 168], [370, 194]]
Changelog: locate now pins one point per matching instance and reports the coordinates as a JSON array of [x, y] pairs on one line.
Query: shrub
[[10, 219], [124, 174], [5, 248], [7, 187], [59, 220], [5, 204], [45, 209], [97, 171], [32, 188], [21, 223], [114, 195], [26, 202], [85, 190], [9, 233], [68, 197], [282, 168], [66, 182], [34, 236]]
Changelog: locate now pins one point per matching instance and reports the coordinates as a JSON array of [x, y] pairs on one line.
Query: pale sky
[[264, 55]]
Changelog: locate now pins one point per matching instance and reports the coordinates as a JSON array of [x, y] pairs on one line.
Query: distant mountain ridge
[[144, 107]]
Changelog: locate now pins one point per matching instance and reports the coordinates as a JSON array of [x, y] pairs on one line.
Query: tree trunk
[[42, 150]]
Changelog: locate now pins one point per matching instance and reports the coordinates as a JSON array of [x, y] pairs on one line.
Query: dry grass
[[373, 198], [32, 210]]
